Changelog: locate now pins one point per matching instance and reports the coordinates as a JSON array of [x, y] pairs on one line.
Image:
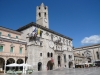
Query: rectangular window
[[64, 58], [1, 48], [0, 33], [16, 37], [20, 51], [40, 54], [11, 49], [9, 35]]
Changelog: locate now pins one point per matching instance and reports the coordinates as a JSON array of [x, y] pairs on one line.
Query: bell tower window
[[45, 8], [39, 14], [39, 7], [45, 14]]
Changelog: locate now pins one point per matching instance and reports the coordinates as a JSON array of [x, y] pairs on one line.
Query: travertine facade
[[79, 59], [12, 48], [46, 49], [92, 53]]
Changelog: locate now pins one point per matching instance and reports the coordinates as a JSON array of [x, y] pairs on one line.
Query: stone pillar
[[62, 60], [5, 66]]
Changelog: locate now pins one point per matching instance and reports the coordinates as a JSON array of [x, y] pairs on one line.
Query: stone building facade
[[46, 49], [92, 53], [12, 48], [79, 59]]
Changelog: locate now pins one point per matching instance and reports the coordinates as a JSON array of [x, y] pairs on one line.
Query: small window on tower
[[39, 7], [39, 14], [45, 14], [40, 54], [45, 8]]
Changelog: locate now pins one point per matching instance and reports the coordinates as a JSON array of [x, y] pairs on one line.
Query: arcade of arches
[[9, 61]]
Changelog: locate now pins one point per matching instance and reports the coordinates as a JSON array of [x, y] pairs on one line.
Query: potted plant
[[19, 72], [29, 71]]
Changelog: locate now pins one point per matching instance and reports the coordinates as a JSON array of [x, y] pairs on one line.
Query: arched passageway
[[10, 61], [50, 64], [70, 64], [59, 61], [19, 61], [39, 66], [2, 64]]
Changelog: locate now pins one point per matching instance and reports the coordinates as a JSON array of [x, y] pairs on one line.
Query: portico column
[[5, 67]]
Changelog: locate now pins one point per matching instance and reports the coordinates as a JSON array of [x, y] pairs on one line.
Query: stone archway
[[70, 64], [2, 64], [39, 66], [19, 61], [50, 65], [10, 61], [59, 61]]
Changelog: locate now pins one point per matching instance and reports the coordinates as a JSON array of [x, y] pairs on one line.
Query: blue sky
[[78, 19]]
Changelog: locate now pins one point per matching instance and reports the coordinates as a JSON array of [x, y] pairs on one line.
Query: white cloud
[[94, 39]]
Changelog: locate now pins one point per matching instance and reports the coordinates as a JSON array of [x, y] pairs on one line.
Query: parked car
[[97, 63]]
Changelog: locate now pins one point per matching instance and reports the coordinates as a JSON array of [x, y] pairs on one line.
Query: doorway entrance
[[39, 66], [50, 65], [70, 64]]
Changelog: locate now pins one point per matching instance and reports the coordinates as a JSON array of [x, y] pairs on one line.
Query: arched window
[[48, 54], [51, 54], [45, 8], [39, 14], [45, 14], [39, 7]]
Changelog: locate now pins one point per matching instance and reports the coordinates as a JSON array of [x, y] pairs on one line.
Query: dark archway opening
[[10, 61], [2, 65], [39, 66], [59, 61], [19, 61], [50, 65], [70, 64]]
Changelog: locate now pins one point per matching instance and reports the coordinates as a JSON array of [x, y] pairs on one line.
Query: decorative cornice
[[10, 30], [87, 47], [14, 41]]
